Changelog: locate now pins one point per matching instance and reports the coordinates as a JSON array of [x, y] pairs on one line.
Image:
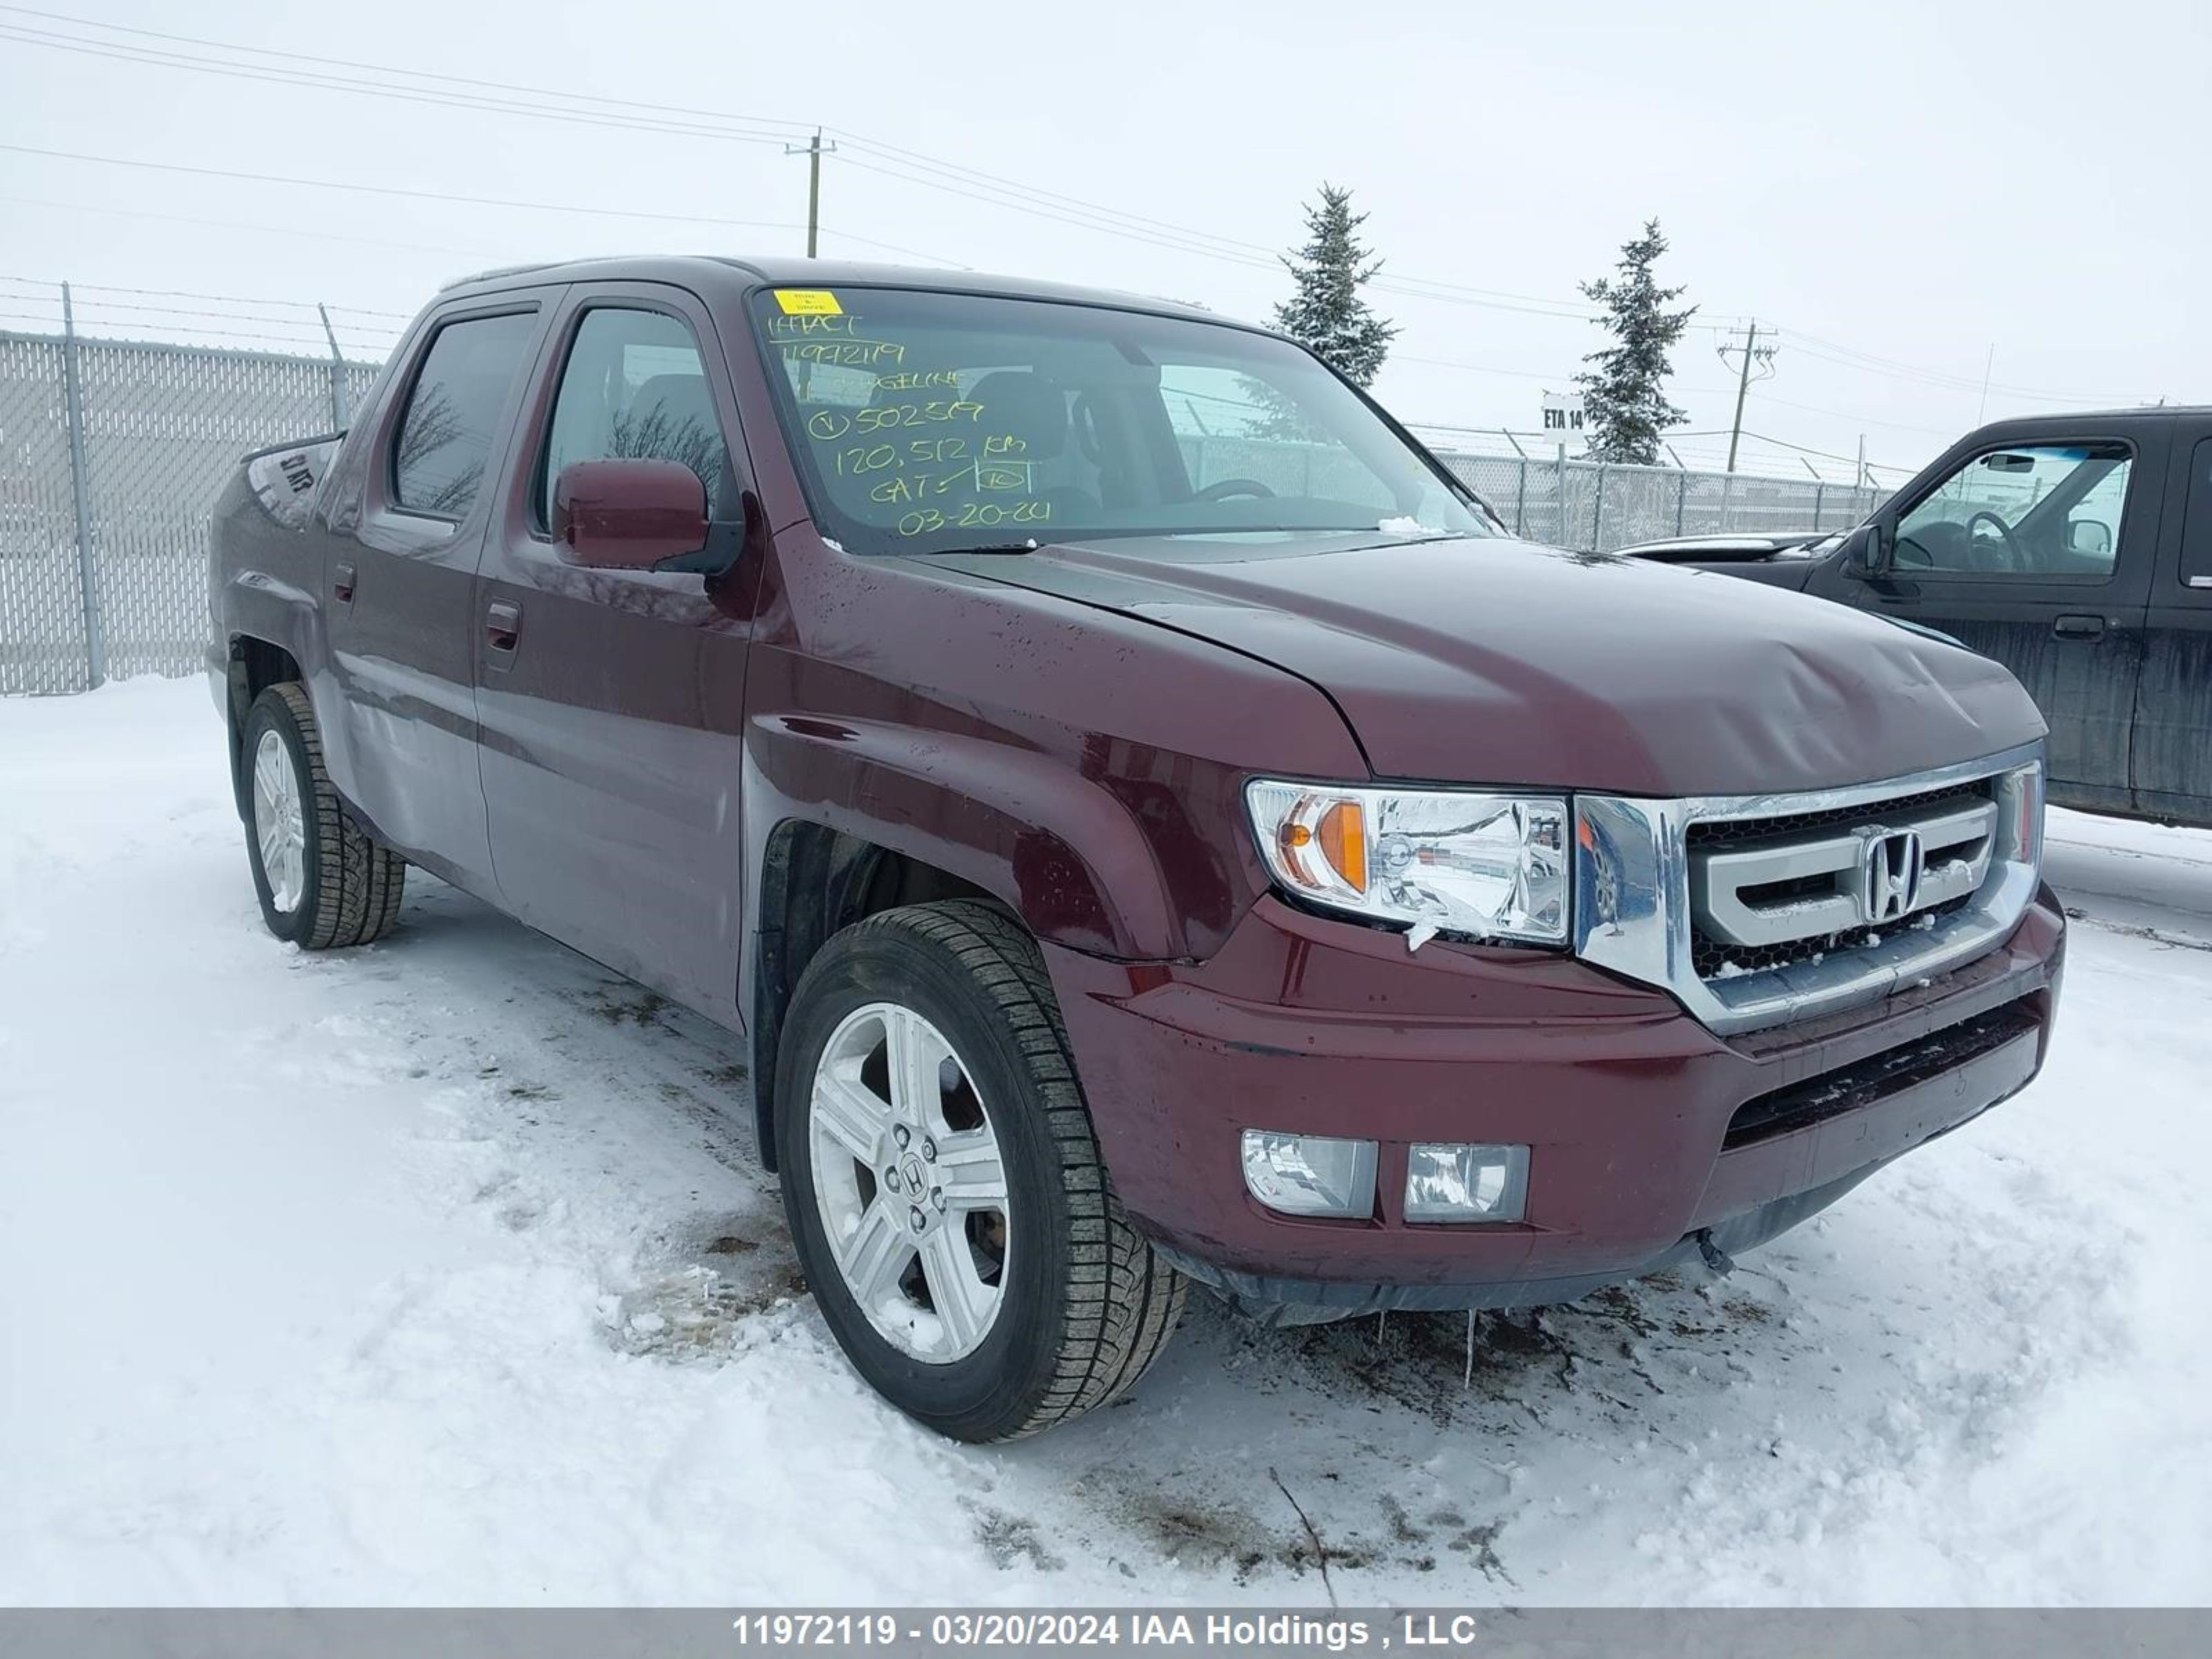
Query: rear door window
[[453, 411]]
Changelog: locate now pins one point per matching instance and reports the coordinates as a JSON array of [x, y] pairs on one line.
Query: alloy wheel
[[911, 1183], [279, 825]]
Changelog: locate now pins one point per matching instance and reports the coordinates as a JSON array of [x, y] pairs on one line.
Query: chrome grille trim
[[1952, 848], [1635, 914]]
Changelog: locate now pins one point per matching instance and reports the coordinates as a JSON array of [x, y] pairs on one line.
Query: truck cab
[[2076, 550]]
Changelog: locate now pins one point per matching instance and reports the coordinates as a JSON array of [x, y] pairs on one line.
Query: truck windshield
[[924, 422]]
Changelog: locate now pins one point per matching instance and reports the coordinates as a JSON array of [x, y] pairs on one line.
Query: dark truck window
[[2047, 511], [2196, 528], [446, 436], [925, 420], [635, 388]]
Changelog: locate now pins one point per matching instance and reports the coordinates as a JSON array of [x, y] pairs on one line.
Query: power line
[[1243, 251], [657, 110], [390, 189], [496, 105], [569, 95], [909, 165], [1784, 443], [226, 299], [1025, 198], [906, 164], [123, 53], [370, 242], [84, 303], [895, 247], [1850, 357], [1177, 246], [236, 224], [1480, 369], [263, 338]]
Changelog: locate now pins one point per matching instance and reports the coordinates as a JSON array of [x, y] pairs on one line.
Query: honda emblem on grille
[[1891, 863]]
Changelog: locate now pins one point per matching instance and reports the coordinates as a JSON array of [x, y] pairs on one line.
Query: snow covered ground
[[441, 1272]]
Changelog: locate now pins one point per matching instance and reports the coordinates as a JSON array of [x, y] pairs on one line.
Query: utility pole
[[1752, 350], [814, 149]]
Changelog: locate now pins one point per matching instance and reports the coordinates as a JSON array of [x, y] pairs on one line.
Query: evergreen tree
[[1326, 311], [1624, 392]]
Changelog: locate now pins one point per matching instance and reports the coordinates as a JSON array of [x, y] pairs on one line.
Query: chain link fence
[[1586, 506], [1597, 506], [105, 492]]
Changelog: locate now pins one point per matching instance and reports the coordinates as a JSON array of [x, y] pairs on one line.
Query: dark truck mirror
[[627, 515], [2091, 537], [1867, 549]]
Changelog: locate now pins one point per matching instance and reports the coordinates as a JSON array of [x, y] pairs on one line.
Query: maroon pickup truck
[[1149, 821]]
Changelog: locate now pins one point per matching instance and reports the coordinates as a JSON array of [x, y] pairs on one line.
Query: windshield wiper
[[1030, 546]]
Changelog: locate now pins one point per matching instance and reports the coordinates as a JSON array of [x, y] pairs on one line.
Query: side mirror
[[1867, 552], [627, 515], [2091, 537]]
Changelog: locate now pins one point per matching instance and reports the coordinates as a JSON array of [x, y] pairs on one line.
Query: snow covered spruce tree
[[1624, 392], [1326, 311]]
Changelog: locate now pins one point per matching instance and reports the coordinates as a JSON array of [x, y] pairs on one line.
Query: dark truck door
[[612, 701], [2173, 719], [398, 579], [2039, 554]]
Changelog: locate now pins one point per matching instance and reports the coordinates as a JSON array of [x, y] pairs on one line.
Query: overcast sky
[[1911, 183]]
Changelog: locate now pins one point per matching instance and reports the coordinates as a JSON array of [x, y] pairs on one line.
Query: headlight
[[1492, 865]]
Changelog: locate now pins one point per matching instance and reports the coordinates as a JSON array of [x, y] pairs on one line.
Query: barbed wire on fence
[[1684, 452]]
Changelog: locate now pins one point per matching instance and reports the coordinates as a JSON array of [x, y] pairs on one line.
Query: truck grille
[[1773, 891], [1725, 832], [1762, 910]]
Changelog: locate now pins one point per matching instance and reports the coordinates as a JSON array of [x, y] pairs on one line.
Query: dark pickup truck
[[1148, 820], [2076, 550]]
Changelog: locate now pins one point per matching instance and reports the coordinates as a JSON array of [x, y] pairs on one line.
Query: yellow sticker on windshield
[[808, 303]]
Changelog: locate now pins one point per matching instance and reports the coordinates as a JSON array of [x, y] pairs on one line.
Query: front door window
[[2047, 511], [635, 388]]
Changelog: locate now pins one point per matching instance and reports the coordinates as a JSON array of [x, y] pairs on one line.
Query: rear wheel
[[944, 1184], [323, 882]]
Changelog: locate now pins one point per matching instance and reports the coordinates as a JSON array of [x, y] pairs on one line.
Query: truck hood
[[1483, 660]]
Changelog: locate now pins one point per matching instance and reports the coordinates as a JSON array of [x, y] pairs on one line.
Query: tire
[[1081, 1305], [346, 889]]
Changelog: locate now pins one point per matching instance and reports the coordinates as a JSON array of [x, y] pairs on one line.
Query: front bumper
[[1651, 1135]]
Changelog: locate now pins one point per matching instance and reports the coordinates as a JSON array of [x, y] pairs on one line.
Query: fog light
[[1448, 1182], [1310, 1175]]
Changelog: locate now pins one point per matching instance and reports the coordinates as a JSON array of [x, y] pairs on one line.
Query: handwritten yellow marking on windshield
[[812, 323], [859, 354]]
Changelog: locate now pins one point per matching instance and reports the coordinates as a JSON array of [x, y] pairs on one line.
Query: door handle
[[503, 626], [341, 584], [2079, 627]]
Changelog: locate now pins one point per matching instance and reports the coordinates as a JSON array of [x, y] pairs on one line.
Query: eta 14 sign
[[1563, 415]]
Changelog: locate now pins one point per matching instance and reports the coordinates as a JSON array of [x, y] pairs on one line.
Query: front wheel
[[322, 881], [944, 1185]]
